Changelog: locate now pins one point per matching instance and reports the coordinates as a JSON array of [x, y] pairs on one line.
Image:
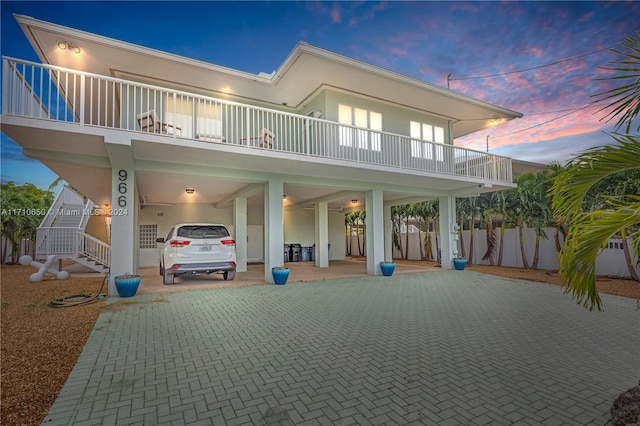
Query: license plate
[[205, 248]]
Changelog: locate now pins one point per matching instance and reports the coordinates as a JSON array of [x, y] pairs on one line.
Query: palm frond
[[584, 171], [586, 238], [623, 102]]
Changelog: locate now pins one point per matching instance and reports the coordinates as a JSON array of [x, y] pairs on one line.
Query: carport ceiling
[[169, 189]]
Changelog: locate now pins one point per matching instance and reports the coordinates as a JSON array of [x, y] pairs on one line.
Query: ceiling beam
[[246, 192], [325, 198]]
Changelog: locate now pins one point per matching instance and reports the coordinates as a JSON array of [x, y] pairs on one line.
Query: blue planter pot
[[128, 286], [387, 268], [280, 276], [459, 264]]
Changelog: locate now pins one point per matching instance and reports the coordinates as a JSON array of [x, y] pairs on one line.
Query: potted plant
[[280, 274], [127, 284], [459, 263], [387, 268]]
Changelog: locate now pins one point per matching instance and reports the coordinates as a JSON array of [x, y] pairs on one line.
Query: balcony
[[83, 99]]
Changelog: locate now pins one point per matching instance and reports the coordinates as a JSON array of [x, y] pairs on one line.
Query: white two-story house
[[156, 139]]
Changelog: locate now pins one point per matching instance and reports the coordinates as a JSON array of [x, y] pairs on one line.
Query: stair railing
[[94, 249]]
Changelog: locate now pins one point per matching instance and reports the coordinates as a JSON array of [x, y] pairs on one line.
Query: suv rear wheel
[[167, 278], [229, 275]]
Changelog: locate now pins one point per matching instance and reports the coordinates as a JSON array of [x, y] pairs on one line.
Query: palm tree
[[396, 218], [518, 207], [589, 231], [507, 214], [419, 213], [349, 224], [537, 206], [430, 212], [463, 210], [489, 203], [359, 220]]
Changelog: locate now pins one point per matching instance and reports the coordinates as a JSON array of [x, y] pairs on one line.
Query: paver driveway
[[435, 348]]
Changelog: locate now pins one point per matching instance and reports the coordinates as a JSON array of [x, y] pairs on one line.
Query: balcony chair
[[149, 122], [265, 138]]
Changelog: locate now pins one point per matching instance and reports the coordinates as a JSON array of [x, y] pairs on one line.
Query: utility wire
[[546, 122], [449, 78]]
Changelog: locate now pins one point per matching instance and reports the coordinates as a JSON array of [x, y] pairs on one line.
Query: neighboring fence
[[28, 247], [610, 262]]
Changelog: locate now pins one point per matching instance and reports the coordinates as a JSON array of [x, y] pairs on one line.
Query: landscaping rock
[[625, 410]]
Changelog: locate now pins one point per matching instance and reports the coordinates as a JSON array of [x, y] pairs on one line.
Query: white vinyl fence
[[611, 261]]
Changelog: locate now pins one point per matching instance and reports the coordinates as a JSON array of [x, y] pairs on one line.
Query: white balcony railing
[[85, 99]]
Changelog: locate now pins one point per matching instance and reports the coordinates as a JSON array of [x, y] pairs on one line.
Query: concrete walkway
[[436, 348]]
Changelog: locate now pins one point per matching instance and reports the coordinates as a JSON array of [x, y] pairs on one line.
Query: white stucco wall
[[299, 228]]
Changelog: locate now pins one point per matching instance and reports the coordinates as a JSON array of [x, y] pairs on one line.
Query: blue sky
[[426, 40]]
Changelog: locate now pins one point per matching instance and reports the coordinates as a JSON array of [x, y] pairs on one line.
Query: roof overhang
[[306, 70]]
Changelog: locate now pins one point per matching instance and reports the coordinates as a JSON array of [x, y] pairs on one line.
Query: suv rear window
[[199, 232]]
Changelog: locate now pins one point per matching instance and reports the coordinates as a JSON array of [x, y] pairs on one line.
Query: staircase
[[62, 232]]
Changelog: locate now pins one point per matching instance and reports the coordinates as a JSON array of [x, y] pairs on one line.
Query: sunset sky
[[425, 40]]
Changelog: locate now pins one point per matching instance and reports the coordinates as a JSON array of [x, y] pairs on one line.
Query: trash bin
[[312, 253], [295, 252], [287, 252], [305, 256]]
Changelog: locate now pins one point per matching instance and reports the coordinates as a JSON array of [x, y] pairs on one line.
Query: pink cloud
[[465, 6], [536, 51], [336, 14], [586, 17], [399, 51], [539, 128]]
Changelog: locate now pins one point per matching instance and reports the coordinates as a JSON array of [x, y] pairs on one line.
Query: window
[[207, 122], [202, 231], [148, 236], [425, 138], [365, 120]]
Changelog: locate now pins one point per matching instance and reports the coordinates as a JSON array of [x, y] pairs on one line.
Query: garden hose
[[80, 299]]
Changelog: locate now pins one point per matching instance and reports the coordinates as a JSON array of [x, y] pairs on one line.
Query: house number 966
[[122, 188]]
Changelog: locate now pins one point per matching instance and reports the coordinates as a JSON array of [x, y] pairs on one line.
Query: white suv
[[197, 248]]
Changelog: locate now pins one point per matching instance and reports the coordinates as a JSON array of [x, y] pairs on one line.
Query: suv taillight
[[228, 242], [178, 243]]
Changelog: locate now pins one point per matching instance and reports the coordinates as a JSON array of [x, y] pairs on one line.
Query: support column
[[124, 252], [240, 229], [449, 235], [388, 234], [124, 212], [273, 227], [374, 222], [322, 235]]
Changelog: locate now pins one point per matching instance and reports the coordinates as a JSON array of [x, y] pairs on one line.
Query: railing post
[[82, 102], [307, 126], [175, 116], [5, 86], [494, 163], [248, 129]]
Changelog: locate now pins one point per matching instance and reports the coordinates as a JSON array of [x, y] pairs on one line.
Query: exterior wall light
[[354, 201], [189, 190], [67, 45]]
